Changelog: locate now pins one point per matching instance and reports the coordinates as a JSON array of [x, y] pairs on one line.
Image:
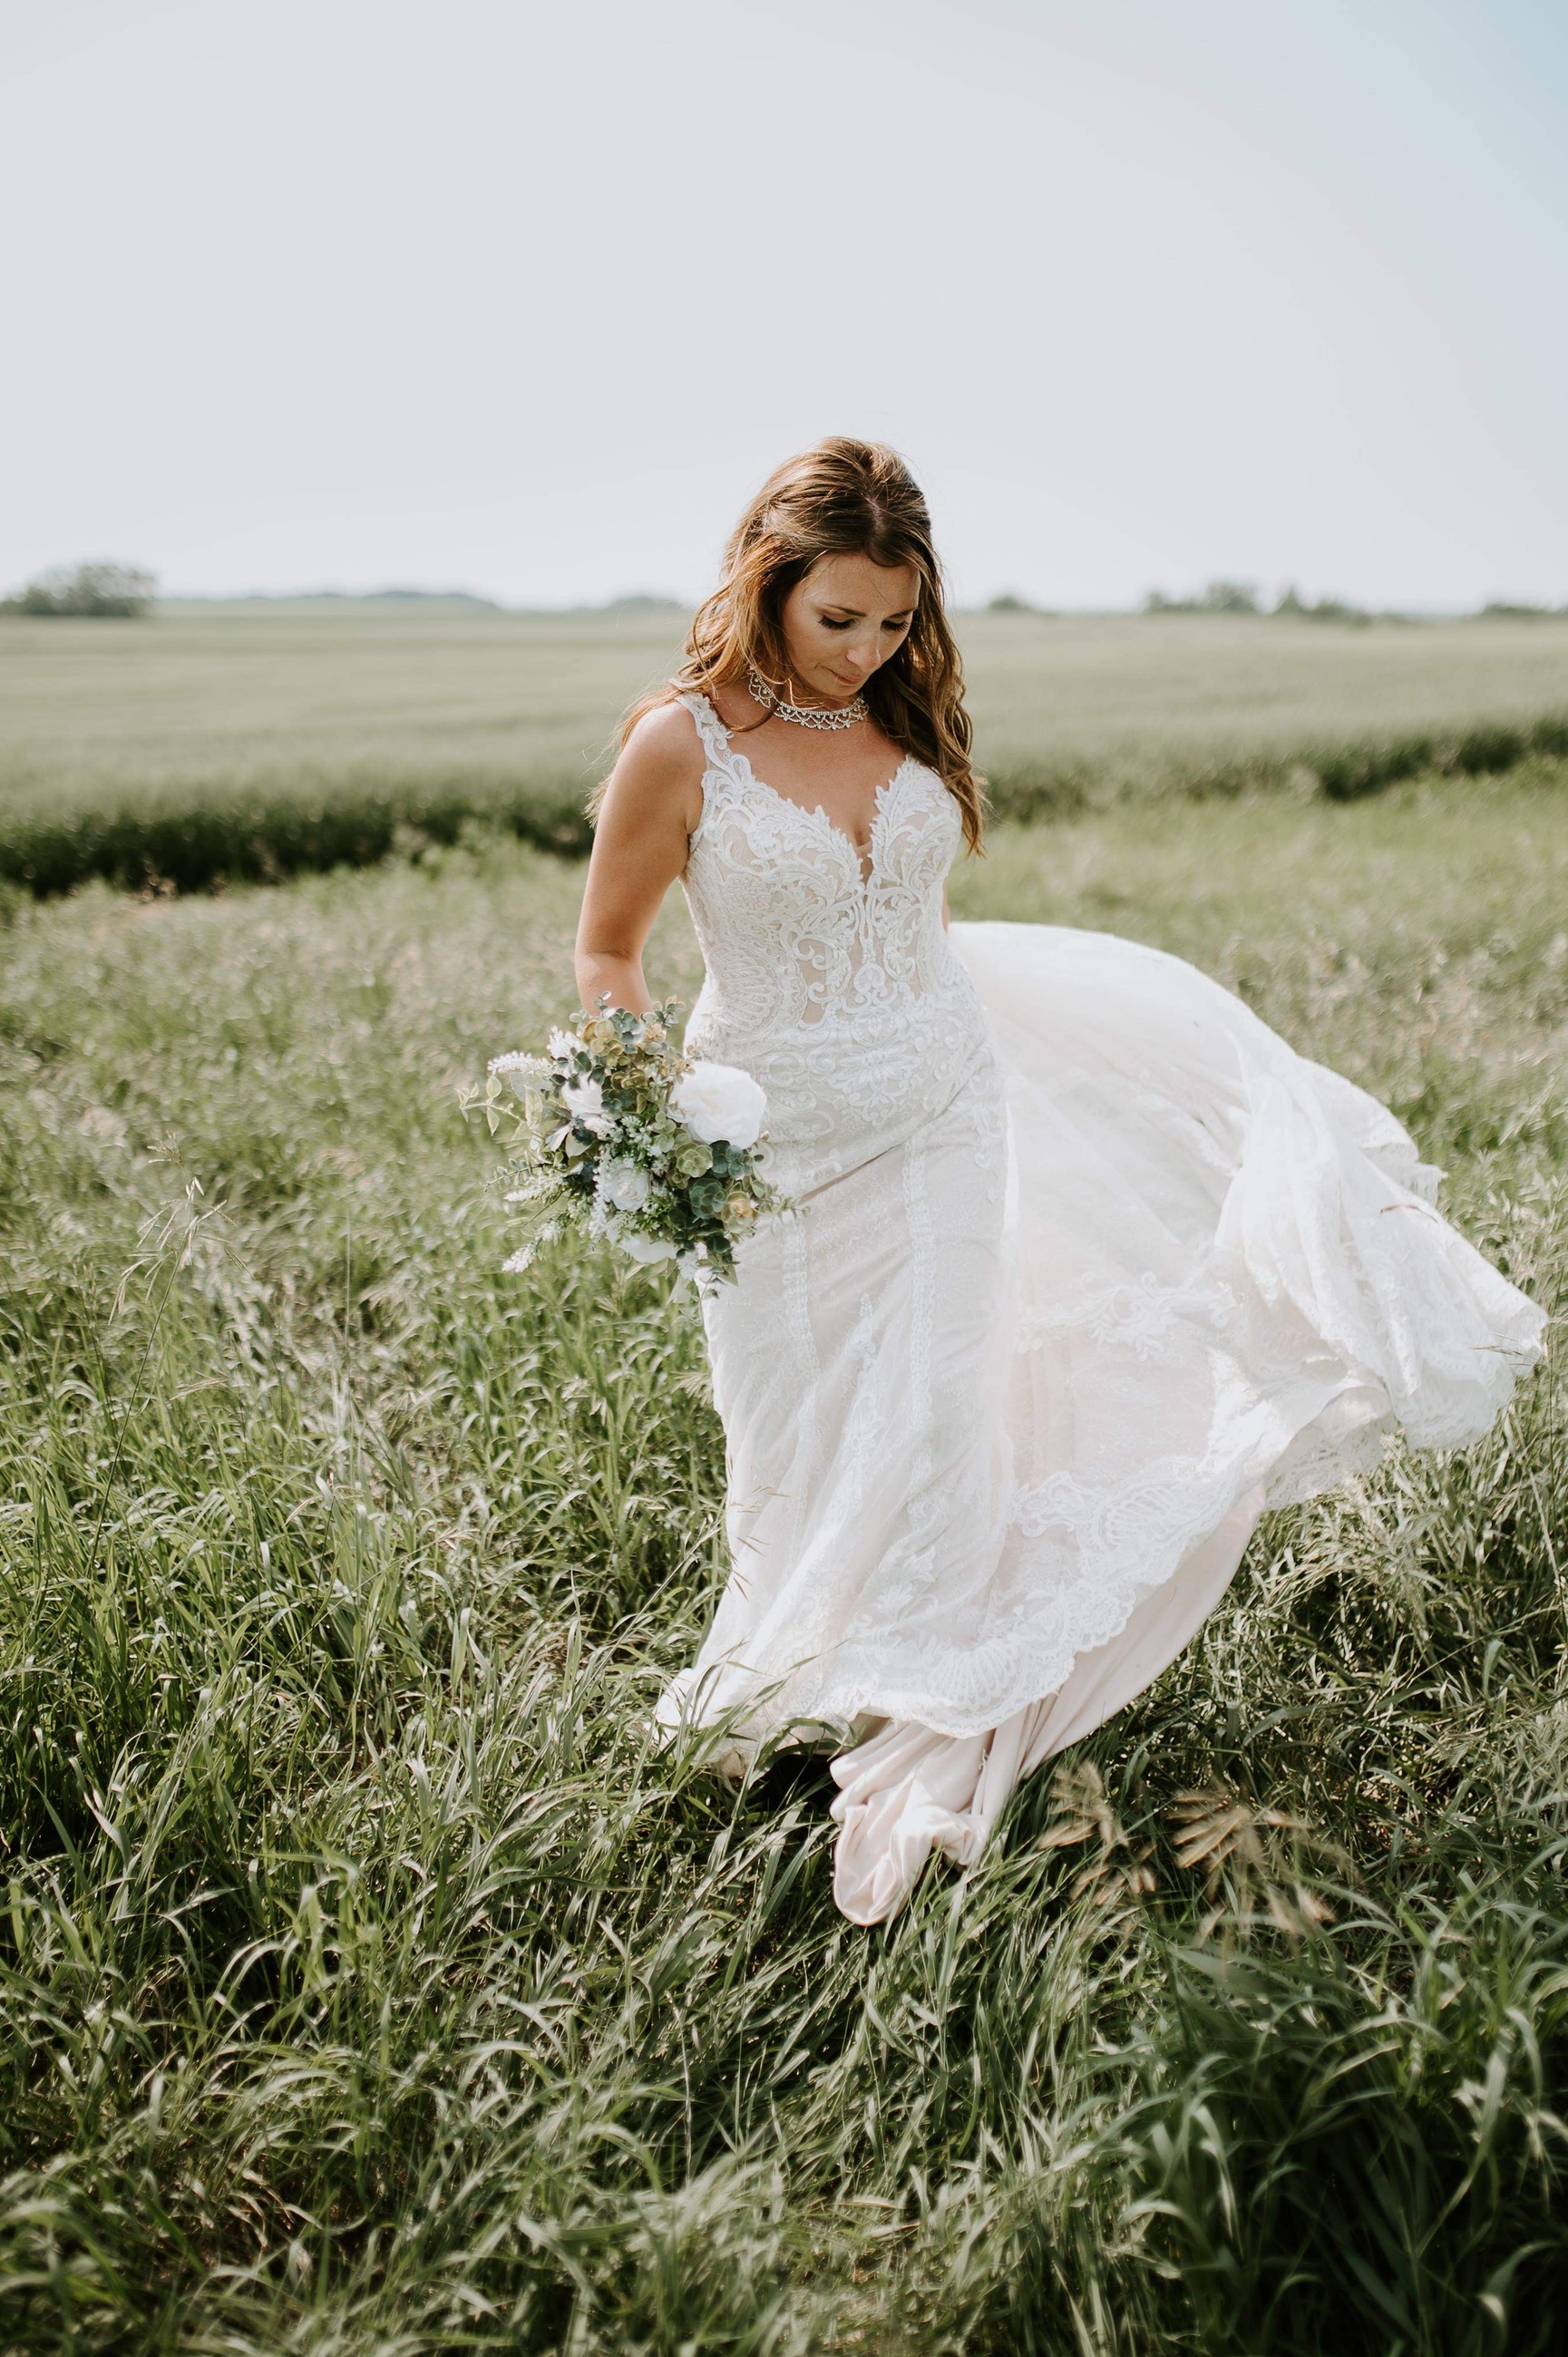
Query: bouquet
[[621, 1134]]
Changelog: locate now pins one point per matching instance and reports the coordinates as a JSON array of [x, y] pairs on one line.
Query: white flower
[[647, 1249], [718, 1101], [563, 1043], [625, 1185], [585, 1101], [524, 1072]]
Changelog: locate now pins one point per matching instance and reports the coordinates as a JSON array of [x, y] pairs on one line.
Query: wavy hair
[[841, 499]]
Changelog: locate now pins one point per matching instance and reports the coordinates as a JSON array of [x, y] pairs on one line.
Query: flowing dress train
[[1090, 1266]]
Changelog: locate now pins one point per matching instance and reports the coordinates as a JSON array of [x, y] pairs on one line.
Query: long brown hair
[[841, 498]]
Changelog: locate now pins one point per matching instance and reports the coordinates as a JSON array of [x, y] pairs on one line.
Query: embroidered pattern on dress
[[1142, 1315], [839, 992]]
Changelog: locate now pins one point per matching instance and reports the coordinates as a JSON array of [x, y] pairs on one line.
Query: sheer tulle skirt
[[1004, 1402]]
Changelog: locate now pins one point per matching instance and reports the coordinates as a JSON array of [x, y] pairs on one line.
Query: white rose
[[647, 1249], [624, 1185], [585, 1101], [718, 1101]]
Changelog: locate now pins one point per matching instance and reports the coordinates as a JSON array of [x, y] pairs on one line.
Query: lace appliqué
[[839, 991], [1142, 1315]]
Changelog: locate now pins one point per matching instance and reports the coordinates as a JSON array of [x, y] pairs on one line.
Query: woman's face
[[845, 616]]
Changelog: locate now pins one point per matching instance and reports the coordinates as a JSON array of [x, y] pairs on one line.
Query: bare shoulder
[[660, 767], [666, 740]]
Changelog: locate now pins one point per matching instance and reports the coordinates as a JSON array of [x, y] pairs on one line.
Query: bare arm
[[652, 803]]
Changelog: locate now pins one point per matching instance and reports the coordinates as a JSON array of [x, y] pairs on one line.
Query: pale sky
[[527, 299]]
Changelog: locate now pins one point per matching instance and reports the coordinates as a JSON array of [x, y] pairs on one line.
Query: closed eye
[[847, 622]]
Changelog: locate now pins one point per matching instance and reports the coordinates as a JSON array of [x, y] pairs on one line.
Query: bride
[[1091, 1267]]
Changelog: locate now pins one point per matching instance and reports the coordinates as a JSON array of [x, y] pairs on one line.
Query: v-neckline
[[865, 861]]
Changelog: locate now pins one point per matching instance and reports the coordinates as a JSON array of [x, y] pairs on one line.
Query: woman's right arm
[[652, 806]]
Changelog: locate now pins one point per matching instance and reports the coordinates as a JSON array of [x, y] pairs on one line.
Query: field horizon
[[184, 754]]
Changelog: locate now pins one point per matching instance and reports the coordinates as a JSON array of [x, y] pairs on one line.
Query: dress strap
[[710, 728]]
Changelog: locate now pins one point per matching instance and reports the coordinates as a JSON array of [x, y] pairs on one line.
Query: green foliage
[[369, 1981], [103, 591], [247, 838], [1292, 607], [1337, 772], [1218, 597], [1483, 751]]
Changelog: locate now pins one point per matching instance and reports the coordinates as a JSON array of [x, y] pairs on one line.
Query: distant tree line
[[1243, 597], [104, 589]]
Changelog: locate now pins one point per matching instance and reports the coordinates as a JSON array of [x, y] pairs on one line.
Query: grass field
[[370, 1984], [190, 750]]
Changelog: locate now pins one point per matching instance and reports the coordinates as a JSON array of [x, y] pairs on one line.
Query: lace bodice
[[838, 989]]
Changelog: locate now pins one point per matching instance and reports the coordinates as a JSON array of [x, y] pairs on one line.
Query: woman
[[1092, 1266]]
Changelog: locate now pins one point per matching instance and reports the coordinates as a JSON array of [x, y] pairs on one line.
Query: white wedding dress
[[1090, 1267]]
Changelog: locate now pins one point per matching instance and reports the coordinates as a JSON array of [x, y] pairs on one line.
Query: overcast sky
[[528, 297]]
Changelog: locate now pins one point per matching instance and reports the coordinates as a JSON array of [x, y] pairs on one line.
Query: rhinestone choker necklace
[[805, 715]]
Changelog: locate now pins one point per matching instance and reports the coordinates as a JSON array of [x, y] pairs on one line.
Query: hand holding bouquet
[[623, 1135]]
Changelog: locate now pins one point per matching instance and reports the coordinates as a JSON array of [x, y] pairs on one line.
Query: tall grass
[[369, 1979]]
